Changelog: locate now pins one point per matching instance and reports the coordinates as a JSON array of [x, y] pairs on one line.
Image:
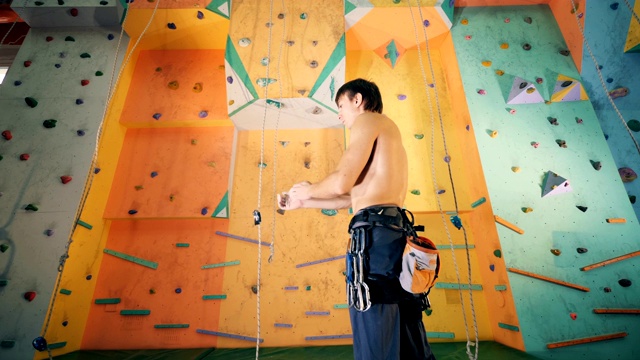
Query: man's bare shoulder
[[371, 120]]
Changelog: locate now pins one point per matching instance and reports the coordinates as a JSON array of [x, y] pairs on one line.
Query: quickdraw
[[357, 290]]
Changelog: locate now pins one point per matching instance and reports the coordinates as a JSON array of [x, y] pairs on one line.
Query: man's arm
[[340, 202], [364, 133]]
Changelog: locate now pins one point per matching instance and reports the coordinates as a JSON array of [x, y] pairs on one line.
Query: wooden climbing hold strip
[[610, 261], [551, 280], [586, 340], [509, 225], [133, 259], [616, 311], [227, 335], [616, 220]]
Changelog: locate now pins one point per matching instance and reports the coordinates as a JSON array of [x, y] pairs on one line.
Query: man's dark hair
[[369, 91]]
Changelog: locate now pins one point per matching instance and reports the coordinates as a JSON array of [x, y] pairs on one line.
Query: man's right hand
[[285, 202]]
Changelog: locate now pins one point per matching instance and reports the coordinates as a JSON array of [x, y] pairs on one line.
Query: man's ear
[[358, 99]]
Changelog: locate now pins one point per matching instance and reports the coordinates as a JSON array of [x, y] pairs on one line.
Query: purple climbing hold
[[204, 211], [426, 23], [229, 79], [132, 212], [80, 132], [96, 170], [79, 101], [200, 15], [171, 26], [157, 116], [492, 267], [402, 97], [447, 158], [154, 174], [627, 174], [49, 232], [110, 37], [203, 114]]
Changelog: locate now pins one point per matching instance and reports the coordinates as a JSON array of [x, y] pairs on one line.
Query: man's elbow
[[343, 187]]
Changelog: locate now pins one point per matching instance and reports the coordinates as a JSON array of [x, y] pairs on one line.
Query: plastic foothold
[[200, 15], [194, 141], [492, 267], [203, 114], [152, 291], [614, 6], [291, 42], [99, 73], [49, 232], [607, 289], [419, 136], [493, 134], [49, 39], [582, 208], [553, 121], [171, 26], [31, 102], [157, 116], [329, 212], [178, 290], [73, 12], [512, 111], [174, 85], [486, 63], [515, 169], [57, 66], [204, 211], [254, 289], [197, 88], [564, 52], [624, 282], [49, 124], [581, 250], [527, 210], [467, 37], [526, 47], [39, 343], [415, 192], [562, 143], [229, 79], [507, 20], [281, 16], [84, 82], [402, 97], [314, 43], [464, 22], [482, 92], [7, 135], [440, 192], [104, 2], [30, 295], [313, 64], [154, 174], [211, 164], [89, 277], [596, 164], [110, 37], [172, 197], [132, 212], [244, 42], [556, 252], [307, 164], [65, 179], [447, 158], [306, 143], [528, 20], [573, 316], [138, 187], [632, 199], [619, 92], [426, 23], [262, 165], [69, 38], [24, 157], [4, 247], [65, 323], [497, 253], [284, 143], [79, 101], [504, 46], [27, 63], [609, 80], [304, 16], [17, 83], [85, 56], [627, 174], [535, 144]]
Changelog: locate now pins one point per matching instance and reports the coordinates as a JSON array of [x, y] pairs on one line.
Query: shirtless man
[[371, 178]]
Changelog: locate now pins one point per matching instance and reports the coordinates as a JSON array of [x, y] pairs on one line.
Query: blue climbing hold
[[426, 23], [79, 101], [171, 26], [204, 211], [178, 291], [96, 170], [609, 80], [110, 37], [200, 15], [492, 267], [157, 116], [203, 114], [133, 212], [614, 6], [80, 132], [455, 220], [39, 343], [447, 159], [154, 174]]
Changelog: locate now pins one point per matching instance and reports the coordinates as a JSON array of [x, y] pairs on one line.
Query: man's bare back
[[383, 181]]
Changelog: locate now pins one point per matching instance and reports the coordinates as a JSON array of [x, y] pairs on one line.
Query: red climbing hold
[[84, 82], [65, 179], [29, 295], [573, 316], [27, 63], [24, 157], [7, 135], [49, 38], [73, 12]]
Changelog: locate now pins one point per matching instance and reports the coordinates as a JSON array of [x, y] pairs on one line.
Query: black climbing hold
[[49, 124], [257, 218], [31, 102], [523, 84], [581, 250], [132, 212], [526, 47], [553, 121], [254, 289], [89, 277], [566, 83], [607, 289], [85, 55], [31, 207], [561, 143], [99, 73], [65, 323], [17, 83], [582, 208], [69, 38], [624, 282], [281, 16], [596, 164], [79, 101], [634, 125], [528, 20], [110, 37], [564, 52], [39, 343], [632, 198], [614, 6], [104, 2]]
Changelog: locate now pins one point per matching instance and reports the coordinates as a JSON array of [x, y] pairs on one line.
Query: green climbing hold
[[262, 165], [69, 38], [262, 82], [31, 207], [632, 198], [31, 102], [415, 192], [4, 247], [4, 282], [308, 288], [498, 253], [634, 125], [85, 55], [65, 292], [39, 3], [329, 212], [49, 124], [1, 157], [303, 16], [428, 311], [8, 344], [99, 73], [419, 136]]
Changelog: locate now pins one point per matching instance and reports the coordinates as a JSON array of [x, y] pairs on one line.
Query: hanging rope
[[602, 82], [89, 181], [632, 11], [433, 174]]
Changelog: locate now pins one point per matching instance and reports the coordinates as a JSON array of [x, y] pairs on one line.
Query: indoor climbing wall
[[52, 102], [614, 39], [561, 208]]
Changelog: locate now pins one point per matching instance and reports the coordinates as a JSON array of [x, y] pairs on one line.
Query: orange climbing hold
[[486, 63], [174, 85], [464, 22], [197, 88], [499, 72], [504, 46]]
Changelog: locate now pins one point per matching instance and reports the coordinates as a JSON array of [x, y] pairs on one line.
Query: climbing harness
[[433, 174], [357, 290]]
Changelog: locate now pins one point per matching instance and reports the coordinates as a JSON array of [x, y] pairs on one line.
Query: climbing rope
[[602, 82], [89, 181], [632, 11], [433, 174]]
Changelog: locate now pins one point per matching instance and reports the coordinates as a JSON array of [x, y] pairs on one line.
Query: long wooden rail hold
[[551, 280], [507, 224], [586, 340], [617, 311], [610, 261]]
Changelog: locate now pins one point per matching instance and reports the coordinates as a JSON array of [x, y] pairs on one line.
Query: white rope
[[89, 181], [632, 11], [433, 174], [602, 82]]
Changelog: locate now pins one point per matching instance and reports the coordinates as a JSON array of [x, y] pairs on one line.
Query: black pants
[[392, 328]]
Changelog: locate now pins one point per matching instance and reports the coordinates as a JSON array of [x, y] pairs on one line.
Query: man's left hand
[[301, 191]]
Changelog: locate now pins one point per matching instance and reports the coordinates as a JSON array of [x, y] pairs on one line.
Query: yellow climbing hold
[[527, 210], [531, 90], [174, 85], [499, 72], [504, 46], [464, 21], [231, 102], [515, 169], [197, 87], [486, 63], [494, 133]]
